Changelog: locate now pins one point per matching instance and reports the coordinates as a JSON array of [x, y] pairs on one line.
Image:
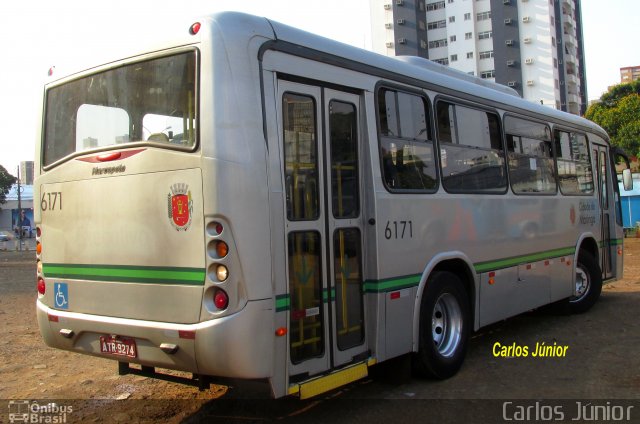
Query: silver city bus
[[248, 200]]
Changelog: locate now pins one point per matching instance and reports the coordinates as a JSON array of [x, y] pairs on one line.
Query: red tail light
[[221, 299], [41, 286]]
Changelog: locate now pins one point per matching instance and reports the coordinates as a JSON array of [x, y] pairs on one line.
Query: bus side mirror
[[627, 180]]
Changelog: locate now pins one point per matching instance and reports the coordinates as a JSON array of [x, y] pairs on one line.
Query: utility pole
[[19, 210]]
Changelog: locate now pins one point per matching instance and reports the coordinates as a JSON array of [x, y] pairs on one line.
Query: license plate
[[120, 346]]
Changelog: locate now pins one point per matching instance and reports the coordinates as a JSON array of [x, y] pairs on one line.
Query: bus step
[[325, 383]]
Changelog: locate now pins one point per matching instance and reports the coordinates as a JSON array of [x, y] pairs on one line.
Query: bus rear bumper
[[237, 346]]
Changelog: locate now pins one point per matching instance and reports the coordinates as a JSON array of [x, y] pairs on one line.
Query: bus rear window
[[152, 101]]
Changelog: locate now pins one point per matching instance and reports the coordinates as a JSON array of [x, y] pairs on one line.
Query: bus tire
[[588, 283], [444, 327]]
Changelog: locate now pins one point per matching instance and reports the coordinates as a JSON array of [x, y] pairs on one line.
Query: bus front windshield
[[152, 101]]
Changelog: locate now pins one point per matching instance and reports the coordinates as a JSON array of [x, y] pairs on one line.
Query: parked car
[[5, 236]]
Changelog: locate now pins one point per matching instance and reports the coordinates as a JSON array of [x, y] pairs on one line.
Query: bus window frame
[[617, 198], [553, 156], [140, 143], [358, 154], [318, 150], [569, 130], [419, 92], [485, 108], [598, 170]]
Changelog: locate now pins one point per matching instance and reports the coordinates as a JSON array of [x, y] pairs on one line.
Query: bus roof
[[417, 68], [242, 28]]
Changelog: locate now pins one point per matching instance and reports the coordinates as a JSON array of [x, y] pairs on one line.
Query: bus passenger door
[[344, 225], [323, 227], [607, 248]]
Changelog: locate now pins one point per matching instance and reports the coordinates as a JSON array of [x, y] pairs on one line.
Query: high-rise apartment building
[[629, 74], [533, 46], [26, 172]]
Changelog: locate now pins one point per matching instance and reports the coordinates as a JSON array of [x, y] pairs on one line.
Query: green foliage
[[6, 181], [618, 92], [619, 114]]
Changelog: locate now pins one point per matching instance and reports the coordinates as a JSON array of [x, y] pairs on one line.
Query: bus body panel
[[126, 246], [239, 345], [233, 148], [532, 268], [148, 335]]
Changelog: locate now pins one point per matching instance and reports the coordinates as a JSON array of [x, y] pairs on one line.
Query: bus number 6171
[[51, 201], [398, 229]]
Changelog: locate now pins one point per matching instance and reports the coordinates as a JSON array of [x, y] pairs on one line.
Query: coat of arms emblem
[[180, 206]]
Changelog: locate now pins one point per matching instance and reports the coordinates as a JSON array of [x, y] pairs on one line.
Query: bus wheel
[[444, 327], [588, 283]]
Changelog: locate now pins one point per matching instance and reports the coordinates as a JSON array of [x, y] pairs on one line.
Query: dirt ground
[[30, 370]]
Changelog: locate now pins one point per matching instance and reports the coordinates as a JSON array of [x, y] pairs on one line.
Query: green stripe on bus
[[612, 242], [325, 295], [519, 260], [408, 281], [126, 274], [282, 303], [390, 284], [132, 267]]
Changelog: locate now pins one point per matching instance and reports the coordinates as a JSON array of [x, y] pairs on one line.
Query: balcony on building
[[569, 38], [573, 103], [573, 97], [570, 56], [571, 79], [567, 19]]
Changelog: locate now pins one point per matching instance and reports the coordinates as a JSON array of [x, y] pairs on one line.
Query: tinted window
[[301, 157], [153, 101], [530, 156], [343, 138], [471, 154], [306, 338], [574, 165], [407, 148]]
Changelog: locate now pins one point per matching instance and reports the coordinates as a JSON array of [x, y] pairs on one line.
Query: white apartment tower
[[533, 46]]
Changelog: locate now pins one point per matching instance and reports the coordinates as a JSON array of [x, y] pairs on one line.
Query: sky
[[36, 35]]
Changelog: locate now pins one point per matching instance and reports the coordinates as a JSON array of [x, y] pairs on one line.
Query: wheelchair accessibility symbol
[[61, 295]]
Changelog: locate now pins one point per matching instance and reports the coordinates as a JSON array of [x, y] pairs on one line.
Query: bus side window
[[530, 157], [301, 157], [406, 146], [574, 164], [472, 157]]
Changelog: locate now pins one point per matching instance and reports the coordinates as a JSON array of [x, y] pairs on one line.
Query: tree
[[619, 114], [6, 181], [617, 92]]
